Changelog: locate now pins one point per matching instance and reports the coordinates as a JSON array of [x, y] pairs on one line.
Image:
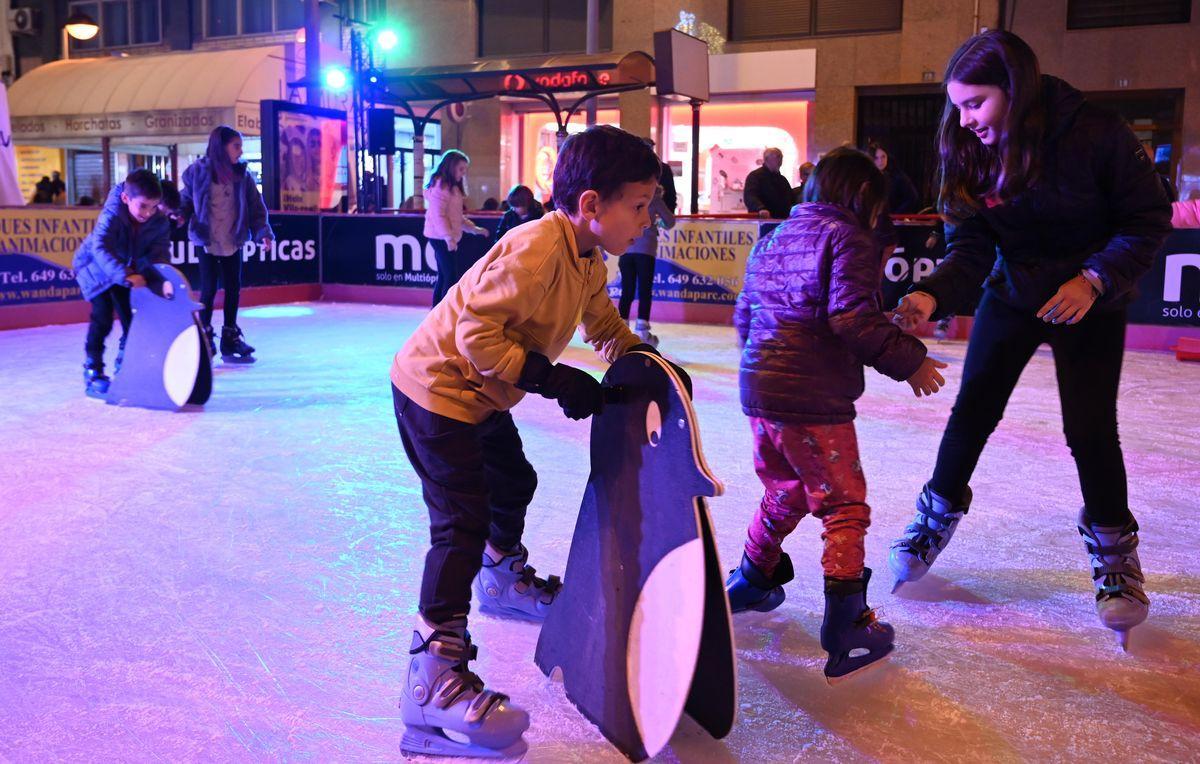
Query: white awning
[[171, 96]]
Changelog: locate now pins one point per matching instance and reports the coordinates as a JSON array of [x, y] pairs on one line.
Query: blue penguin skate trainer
[[445, 708], [924, 539], [1121, 602], [507, 586], [854, 638], [750, 589]]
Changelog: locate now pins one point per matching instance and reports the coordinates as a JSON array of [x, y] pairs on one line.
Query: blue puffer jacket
[[810, 317], [118, 247], [251, 211]]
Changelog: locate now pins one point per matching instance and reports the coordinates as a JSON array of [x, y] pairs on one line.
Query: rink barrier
[[386, 259]]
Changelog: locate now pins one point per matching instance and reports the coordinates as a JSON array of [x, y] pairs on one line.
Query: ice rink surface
[[237, 583]]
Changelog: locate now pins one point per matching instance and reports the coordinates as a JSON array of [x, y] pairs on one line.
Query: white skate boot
[[507, 586], [1121, 602]]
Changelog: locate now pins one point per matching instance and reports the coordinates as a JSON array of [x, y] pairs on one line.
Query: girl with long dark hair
[[1065, 194], [225, 210]]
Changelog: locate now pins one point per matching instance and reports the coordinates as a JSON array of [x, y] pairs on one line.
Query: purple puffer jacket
[[809, 317]]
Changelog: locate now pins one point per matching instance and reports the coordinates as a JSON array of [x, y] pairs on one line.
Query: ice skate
[[94, 380], [507, 586], [642, 330], [749, 589], [924, 539], [233, 346], [445, 708], [854, 638], [1121, 601]]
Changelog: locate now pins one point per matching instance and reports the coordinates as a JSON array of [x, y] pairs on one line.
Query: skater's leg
[[231, 279], [784, 502], [1087, 358], [837, 494], [645, 283], [757, 583], [507, 585], [1002, 342], [99, 325], [124, 308], [210, 270], [445, 265], [446, 708], [628, 267], [447, 455]]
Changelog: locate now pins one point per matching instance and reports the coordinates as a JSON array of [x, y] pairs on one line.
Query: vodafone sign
[[575, 79]]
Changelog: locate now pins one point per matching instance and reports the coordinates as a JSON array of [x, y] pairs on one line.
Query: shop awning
[[518, 76], [171, 96]]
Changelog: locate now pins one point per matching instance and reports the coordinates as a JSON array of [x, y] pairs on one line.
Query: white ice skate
[[1121, 602], [446, 709], [507, 586], [913, 553]]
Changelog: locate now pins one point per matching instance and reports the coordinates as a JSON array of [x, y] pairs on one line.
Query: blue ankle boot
[[749, 589]]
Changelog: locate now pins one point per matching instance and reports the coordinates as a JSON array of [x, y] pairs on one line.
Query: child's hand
[[135, 280], [914, 309], [928, 380]]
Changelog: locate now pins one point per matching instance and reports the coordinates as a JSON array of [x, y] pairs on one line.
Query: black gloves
[[577, 392], [683, 375]]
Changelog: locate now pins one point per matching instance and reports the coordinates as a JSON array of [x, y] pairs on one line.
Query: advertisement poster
[[310, 149], [35, 163], [699, 261]]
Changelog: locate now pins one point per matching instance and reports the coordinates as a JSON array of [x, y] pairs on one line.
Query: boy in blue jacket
[[130, 236]]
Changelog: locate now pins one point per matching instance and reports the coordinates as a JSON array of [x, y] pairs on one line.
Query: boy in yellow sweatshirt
[[493, 338]]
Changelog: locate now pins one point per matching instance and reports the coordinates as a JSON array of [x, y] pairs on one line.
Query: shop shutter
[[88, 180], [1095, 14], [765, 19], [851, 16]]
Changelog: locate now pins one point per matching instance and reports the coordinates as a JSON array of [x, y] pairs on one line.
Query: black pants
[[116, 299], [637, 277], [451, 267], [477, 484], [1087, 358], [228, 272]]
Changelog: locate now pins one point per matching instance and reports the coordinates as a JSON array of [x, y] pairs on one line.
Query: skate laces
[[870, 620], [1112, 579]]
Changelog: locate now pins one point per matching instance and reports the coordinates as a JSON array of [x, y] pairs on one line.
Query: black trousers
[[114, 299], [637, 278], [1087, 359], [477, 484], [227, 272], [451, 267]]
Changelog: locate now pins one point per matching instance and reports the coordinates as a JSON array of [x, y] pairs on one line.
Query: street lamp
[[80, 26]]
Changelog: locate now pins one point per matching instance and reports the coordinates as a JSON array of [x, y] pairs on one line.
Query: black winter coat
[[770, 191], [810, 317], [1098, 205], [511, 219]]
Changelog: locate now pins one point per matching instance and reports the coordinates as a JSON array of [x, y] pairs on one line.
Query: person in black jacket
[[767, 192], [522, 208], [1066, 196], [130, 235]]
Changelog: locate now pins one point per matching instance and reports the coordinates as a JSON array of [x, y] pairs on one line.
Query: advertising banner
[[388, 250], [699, 261], [293, 258]]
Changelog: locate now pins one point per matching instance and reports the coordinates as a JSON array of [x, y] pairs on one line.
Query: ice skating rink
[[237, 583]]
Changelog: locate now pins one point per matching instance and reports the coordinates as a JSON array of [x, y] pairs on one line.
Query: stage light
[[336, 79], [387, 39]]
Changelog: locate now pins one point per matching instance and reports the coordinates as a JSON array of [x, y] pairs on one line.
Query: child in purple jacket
[[809, 318]]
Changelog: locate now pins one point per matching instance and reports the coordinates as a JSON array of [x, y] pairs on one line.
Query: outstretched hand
[[928, 380], [913, 310]]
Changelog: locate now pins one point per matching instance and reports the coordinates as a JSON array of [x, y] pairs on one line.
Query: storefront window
[[402, 163], [733, 135], [122, 23], [539, 147]]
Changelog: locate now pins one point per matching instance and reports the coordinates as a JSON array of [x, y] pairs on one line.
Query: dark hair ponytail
[[848, 178]]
